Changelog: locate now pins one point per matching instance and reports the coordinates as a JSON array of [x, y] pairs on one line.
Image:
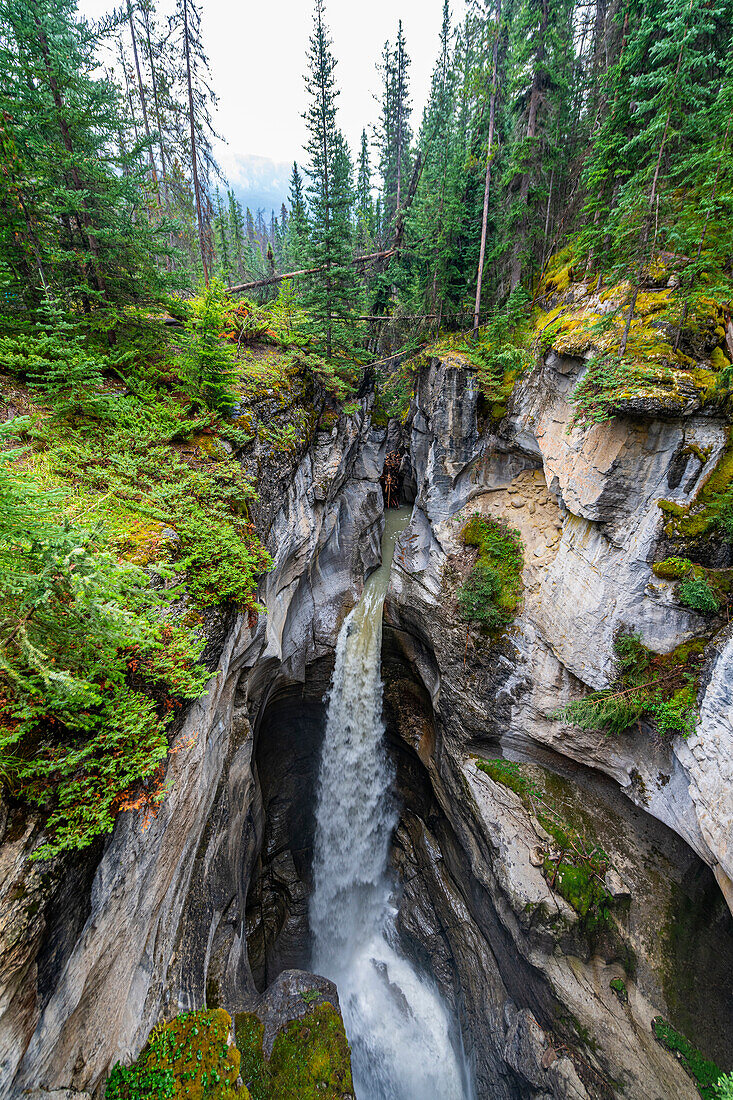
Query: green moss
[[718, 360], [619, 988], [694, 449], [671, 507], [672, 568], [704, 1073], [491, 594], [310, 1058], [578, 875], [187, 1059]]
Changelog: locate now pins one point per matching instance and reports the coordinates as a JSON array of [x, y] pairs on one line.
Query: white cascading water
[[397, 1024]]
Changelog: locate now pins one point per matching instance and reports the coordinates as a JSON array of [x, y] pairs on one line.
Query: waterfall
[[398, 1027]]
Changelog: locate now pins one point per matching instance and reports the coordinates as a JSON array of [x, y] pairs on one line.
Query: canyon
[[206, 902]]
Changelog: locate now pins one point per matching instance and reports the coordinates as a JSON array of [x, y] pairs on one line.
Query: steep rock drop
[[400, 1031]]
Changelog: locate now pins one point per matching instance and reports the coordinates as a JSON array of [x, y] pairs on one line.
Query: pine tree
[[393, 134], [236, 229], [73, 207], [332, 294], [199, 98], [296, 244], [365, 222]]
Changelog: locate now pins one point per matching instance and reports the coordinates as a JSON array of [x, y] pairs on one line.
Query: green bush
[[697, 594], [491, 593], [92, 672], [659, 687], [207, 363]]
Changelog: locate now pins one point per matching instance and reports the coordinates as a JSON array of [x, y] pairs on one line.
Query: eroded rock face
[[585, 502], [165, 909]]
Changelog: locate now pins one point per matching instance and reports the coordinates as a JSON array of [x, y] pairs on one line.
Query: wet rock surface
[[542, 1018], [205, 903]]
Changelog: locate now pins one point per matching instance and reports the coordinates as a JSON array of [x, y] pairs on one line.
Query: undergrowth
[[660, 689], [187, 1059], [492, 592]]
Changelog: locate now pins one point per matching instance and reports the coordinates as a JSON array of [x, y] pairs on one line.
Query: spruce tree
[[76, 223], [332, 295], [365, 222], [296, 245]]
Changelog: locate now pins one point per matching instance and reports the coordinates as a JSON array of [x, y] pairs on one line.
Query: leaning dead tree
[[399, 231], [273, 280]]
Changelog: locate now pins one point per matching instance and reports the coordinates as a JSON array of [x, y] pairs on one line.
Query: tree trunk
[[156, 104], [487, 183], [194, 155], [535, 99], [141, 90]]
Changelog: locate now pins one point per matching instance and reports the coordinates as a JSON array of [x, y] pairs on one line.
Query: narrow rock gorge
[[205, 903]]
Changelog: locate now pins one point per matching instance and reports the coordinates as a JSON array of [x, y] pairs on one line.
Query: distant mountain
[[258, 182]]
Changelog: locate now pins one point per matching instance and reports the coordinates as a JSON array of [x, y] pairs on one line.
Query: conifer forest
[[509, 311]]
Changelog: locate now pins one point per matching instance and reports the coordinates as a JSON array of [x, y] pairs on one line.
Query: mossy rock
[[188, 1059], [704, 1073], [672, 569], [310, 1058], [718, 360]]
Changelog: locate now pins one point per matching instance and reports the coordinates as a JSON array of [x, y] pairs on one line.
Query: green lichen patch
[[492, 592], [655, 372], [187, 1059], [310, 1058], [704, 1073]]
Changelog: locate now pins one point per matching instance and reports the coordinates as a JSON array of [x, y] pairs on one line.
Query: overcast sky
[[257, 53]]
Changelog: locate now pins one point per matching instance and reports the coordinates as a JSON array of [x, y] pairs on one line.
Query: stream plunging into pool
[[397, 1024]]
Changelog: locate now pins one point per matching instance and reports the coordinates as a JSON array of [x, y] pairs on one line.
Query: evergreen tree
[[393, 133], [332, 295], [365, 221], [73, 207]]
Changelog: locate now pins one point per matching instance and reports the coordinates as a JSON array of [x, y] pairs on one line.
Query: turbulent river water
[[399, 1029]]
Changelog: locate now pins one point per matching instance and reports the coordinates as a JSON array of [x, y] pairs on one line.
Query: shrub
[[697, 594], [493, 589], [207, 363], [659, 687], [92, 671]]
